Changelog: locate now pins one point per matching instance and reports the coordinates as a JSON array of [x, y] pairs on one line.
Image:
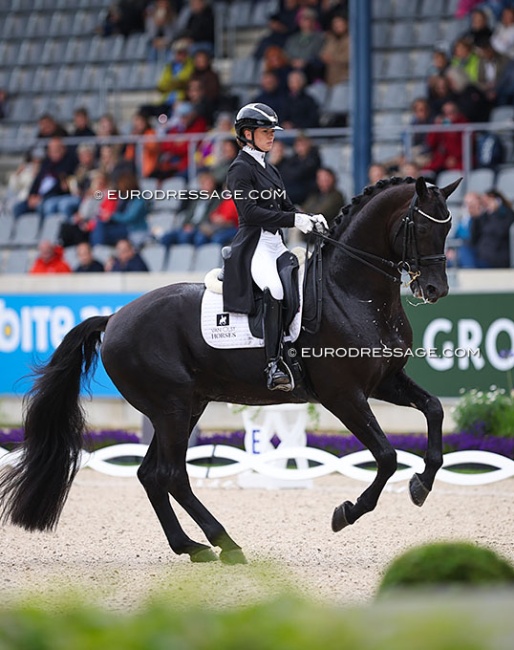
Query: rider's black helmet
[[253, 116]]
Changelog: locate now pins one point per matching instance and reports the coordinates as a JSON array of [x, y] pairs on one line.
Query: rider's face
[[263, 138]]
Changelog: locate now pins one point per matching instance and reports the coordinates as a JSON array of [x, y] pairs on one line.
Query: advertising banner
[[464, 341]]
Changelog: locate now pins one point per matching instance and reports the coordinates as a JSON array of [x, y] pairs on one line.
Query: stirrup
[[279, 376]]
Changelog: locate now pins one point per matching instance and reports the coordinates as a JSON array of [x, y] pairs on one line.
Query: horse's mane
[[348, 211]]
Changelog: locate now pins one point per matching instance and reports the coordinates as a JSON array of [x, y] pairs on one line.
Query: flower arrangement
[[486, 413]]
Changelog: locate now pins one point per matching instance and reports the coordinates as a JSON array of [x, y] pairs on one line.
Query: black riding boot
[[278, 374]]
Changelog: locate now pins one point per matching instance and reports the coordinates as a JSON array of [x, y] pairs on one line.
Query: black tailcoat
[[262, 203]]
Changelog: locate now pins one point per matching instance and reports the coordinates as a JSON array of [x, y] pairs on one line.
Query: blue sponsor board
[[32, 326]]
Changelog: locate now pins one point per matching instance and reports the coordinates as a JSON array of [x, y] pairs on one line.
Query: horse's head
[[421, 238]]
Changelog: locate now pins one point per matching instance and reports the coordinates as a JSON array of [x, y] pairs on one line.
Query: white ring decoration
[[265, 464]]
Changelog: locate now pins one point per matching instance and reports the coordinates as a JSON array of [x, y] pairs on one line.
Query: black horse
[[154, 352]]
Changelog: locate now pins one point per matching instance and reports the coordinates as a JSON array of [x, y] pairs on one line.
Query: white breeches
[[264, 263]]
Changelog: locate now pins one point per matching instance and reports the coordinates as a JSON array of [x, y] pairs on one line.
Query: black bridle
[[411, 260]]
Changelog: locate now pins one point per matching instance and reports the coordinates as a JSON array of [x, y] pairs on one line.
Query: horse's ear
[[450, 189], [421, 187]]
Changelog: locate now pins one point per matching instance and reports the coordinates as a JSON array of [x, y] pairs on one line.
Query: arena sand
[[110, 550]]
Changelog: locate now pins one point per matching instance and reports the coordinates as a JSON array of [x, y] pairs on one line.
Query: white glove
[[304, 222], [319, 220]]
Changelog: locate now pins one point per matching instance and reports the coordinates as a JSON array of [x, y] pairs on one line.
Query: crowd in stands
[[307, 44]]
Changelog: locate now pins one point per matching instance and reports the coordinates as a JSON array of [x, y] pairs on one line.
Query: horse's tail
[[34, 491]]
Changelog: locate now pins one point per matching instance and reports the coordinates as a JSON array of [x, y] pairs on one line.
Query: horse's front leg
[[402, 390], [356, 415]]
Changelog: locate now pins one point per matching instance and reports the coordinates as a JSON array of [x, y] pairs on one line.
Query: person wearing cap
[[263, 209], [173, 80]]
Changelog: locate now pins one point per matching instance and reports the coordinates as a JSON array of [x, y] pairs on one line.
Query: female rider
[[263, 209]]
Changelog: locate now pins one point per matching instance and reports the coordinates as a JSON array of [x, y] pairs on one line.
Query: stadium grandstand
[[111, 84]]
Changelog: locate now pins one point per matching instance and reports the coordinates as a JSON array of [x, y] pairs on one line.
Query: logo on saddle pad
[[221, 329], [223, 320]]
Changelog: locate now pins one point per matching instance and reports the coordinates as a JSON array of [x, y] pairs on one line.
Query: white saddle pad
[[221, 329]]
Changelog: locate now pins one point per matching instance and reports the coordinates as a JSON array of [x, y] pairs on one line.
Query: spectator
[[87, 263], [473, 207], [470, 99], [479, 32], [224, 156], [439, 93], [123, 217], [288, 15], [77, 184], [277, 156], [502, 38], [465, 59], [304, 47], [299, 170], [48, 127], [173, 80], [326, 199], [107, 126], [490, 232], [77, 228], [51, 181], [50, 259], [301, 110], [440, 63], [491, 69], [194, 213], [110, 162], [81, 123], [409, 168], [203, 72], [272, 94], [202, 107], [127, 259], [208, 151], [111, 24], [377, 172], [276, 61], [20, 181], [335, 53], [221, 226], [446, 147], [416, 147], [174, 159], [200, 24], [330, 9], [150, 150], [277, 35], [159, 27]]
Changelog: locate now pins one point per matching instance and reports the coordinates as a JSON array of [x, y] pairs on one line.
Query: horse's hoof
[[234, 556], [418, 492], [204, 555], [340, 517]]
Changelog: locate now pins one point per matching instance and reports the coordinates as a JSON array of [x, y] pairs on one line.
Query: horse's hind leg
[[169, 475], [151, 476], [355, 413], [402, 390], [180, 489]]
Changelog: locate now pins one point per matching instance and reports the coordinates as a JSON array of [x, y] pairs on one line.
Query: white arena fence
[[311, 463]]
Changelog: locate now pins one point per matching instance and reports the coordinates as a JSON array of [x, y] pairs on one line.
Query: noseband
[[411, 260]]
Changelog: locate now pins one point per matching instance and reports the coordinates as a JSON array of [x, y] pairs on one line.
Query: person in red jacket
[[50, 259], [446, 148], [174, 159]]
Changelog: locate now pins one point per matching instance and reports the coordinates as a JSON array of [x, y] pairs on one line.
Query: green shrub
[[447, 563], [488, 413]]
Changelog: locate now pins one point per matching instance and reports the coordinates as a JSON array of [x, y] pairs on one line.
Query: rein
[[409, 263]]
